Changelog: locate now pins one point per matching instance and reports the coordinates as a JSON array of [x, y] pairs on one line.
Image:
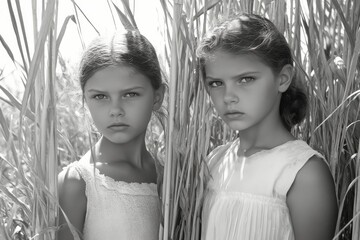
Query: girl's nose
[[230, 95], [116, 110]]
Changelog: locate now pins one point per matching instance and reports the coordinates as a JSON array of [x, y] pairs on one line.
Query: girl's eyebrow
[[94, 90], [122, 90], [244, 74], [212, 78], [209, 78]]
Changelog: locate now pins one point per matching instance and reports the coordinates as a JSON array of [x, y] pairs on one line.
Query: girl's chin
[[236, 126], [116, 138]]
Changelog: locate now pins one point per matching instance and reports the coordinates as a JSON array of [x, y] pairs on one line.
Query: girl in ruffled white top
[[265, 185], [111, 193]]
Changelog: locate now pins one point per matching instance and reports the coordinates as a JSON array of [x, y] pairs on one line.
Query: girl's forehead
[[117, 77], [117, 70], [229, 59], [228, 65]]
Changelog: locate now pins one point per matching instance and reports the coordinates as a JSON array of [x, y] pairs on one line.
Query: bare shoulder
[[317, 172], [70, 181], [71, 188], [312, 201], [72, 200]]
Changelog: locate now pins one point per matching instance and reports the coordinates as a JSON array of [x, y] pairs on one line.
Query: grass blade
[[124, 20], [8, 50]]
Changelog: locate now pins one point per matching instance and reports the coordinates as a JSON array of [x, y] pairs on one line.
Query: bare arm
[[312, 202], [73, 201]]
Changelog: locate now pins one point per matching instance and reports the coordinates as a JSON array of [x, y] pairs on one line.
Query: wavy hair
[[253, 34]]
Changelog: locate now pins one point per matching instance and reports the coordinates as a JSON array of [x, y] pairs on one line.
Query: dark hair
[[253, 34], [128, 48]]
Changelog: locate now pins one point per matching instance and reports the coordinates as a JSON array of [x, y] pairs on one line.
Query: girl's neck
[[133, 152], [264, 136]]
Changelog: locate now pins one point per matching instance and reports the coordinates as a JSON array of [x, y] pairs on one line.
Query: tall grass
[[34, 144], [325, 38], [29, 201], [42, 130]]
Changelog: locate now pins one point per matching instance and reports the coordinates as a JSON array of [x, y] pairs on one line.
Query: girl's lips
[[234, 115], [118, 126]]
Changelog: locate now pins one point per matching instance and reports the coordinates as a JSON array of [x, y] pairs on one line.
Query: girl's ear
[[285, 77], [159, 97]]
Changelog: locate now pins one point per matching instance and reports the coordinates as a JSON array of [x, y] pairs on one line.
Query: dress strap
[[86, 172], [297, 156]]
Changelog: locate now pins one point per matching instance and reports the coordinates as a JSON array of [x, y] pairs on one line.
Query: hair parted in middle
[[129, 48]]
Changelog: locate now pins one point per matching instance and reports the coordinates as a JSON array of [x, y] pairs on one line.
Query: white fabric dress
[[245, 198], [118, 210]]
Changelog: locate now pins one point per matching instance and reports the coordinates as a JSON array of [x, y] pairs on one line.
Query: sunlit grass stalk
[[171, 160]]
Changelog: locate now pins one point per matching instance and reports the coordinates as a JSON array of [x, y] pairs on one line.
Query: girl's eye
[[213, 84], [131, 94], [245, 80], [99, 96]]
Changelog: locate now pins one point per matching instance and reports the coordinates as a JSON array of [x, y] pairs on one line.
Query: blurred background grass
[[44, 124]]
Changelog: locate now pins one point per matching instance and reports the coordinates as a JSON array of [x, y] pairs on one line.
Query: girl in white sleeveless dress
[[111, 193], [265, 185]]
